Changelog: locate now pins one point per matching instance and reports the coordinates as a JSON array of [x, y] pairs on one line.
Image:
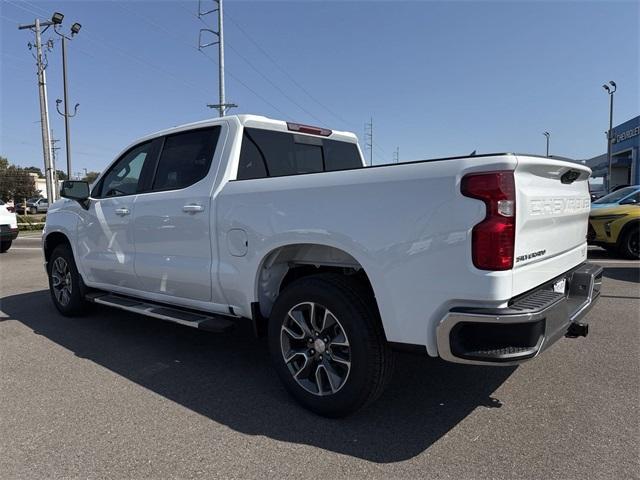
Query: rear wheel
[[33, 210], [630, 244], [327, 344], [65, 284], [5, 245]]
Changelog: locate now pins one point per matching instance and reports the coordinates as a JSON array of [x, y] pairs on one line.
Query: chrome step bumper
[[529, 325]]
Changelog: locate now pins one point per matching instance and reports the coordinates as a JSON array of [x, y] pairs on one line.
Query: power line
[[287, 74], [212, 60], [295, 82], [250, 89]]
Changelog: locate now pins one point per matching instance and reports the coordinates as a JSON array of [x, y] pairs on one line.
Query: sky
[[437, 78]]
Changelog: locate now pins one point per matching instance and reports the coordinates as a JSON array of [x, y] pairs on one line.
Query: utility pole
[[222, 106], [54, 157], [548, 135], [75, 28], [396, 155], [368, 139], [36, 27], [610, 90]]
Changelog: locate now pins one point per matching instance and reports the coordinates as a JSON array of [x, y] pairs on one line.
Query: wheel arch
[[629, 226], [286, 263], [52, 240]]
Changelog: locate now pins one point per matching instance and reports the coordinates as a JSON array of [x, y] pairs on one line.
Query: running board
[[203, 321]]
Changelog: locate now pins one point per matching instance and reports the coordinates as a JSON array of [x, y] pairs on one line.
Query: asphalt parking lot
[[116, 395]]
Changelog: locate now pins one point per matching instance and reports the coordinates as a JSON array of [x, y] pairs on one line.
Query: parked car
[[478, 260], [8, 227], [617, 229], [34, 205], [629, 195]]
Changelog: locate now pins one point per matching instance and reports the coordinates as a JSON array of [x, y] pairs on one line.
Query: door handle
[[122, 211], [192, 208]]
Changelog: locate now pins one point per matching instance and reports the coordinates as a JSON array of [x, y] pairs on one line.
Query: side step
[[203, 321]]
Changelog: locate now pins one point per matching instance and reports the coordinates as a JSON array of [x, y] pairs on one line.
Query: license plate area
[[560, 286]]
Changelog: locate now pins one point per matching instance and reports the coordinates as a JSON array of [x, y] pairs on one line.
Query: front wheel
[[630, 245], [5, 245], [328, 346], [33, 210], [65, 284]]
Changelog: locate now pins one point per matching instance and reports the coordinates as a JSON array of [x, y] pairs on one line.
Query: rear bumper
[[8, 233], [529, 325]]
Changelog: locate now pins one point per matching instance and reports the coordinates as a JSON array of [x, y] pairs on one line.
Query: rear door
[[172, 221], [552, 204]]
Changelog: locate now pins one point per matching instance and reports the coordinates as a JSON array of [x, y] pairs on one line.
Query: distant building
[[625, 156], [41, 184]]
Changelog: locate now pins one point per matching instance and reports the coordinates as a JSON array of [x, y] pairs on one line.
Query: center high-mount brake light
[[297, 127], [493, 239]]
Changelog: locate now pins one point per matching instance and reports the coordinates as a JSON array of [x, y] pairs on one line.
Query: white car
[[477, 260], [8, 227]]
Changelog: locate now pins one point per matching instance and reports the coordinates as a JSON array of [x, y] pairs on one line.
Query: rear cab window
[[269, 153]]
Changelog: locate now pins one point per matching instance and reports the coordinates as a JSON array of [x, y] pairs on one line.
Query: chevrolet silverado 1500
[[477, 260]]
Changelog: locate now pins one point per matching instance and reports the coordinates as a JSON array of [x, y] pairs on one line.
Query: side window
[[252, 163], [186, 158], [635, 198], [123, 178]]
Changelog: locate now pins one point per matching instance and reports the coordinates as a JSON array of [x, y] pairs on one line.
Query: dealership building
[[625, 156]]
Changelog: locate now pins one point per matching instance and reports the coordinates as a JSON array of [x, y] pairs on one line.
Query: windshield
[[615, 197]]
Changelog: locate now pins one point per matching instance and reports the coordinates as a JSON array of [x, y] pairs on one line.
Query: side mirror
[[77, 190]]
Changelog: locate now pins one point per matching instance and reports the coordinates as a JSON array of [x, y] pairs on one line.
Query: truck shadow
[[228, 379], [628, 274]]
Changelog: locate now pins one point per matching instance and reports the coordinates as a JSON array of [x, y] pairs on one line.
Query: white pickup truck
[[478, 260]]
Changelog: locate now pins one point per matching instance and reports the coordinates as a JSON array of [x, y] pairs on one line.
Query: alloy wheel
[[634, 244], [61, 280], [315, 348]]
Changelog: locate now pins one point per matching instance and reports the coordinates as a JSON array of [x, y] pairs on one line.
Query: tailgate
[[552, 205]]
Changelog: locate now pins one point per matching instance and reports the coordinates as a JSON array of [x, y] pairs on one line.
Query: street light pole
[[75, 28], [610, 90], [548, 135]]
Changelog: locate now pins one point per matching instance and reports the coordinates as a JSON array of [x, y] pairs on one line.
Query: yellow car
[[616, 229]]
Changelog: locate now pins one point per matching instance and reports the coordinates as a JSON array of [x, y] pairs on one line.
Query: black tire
[[74, 303], [629, 245], [371, 358], [33, 210], [5, 245]]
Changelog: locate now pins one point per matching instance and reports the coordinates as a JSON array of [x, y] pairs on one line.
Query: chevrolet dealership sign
[[626, 135]]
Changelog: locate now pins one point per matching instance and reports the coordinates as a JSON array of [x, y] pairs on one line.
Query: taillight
[[493, 239]]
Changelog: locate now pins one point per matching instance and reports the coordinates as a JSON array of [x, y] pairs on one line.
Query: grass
[[30, 222]]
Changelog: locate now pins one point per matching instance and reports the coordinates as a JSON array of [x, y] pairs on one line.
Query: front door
[[172, 222], [105, 234]]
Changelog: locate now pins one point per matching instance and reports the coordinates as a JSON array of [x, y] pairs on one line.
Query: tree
[[61, 175], [90, 177], [33, 169], [15, 182]]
